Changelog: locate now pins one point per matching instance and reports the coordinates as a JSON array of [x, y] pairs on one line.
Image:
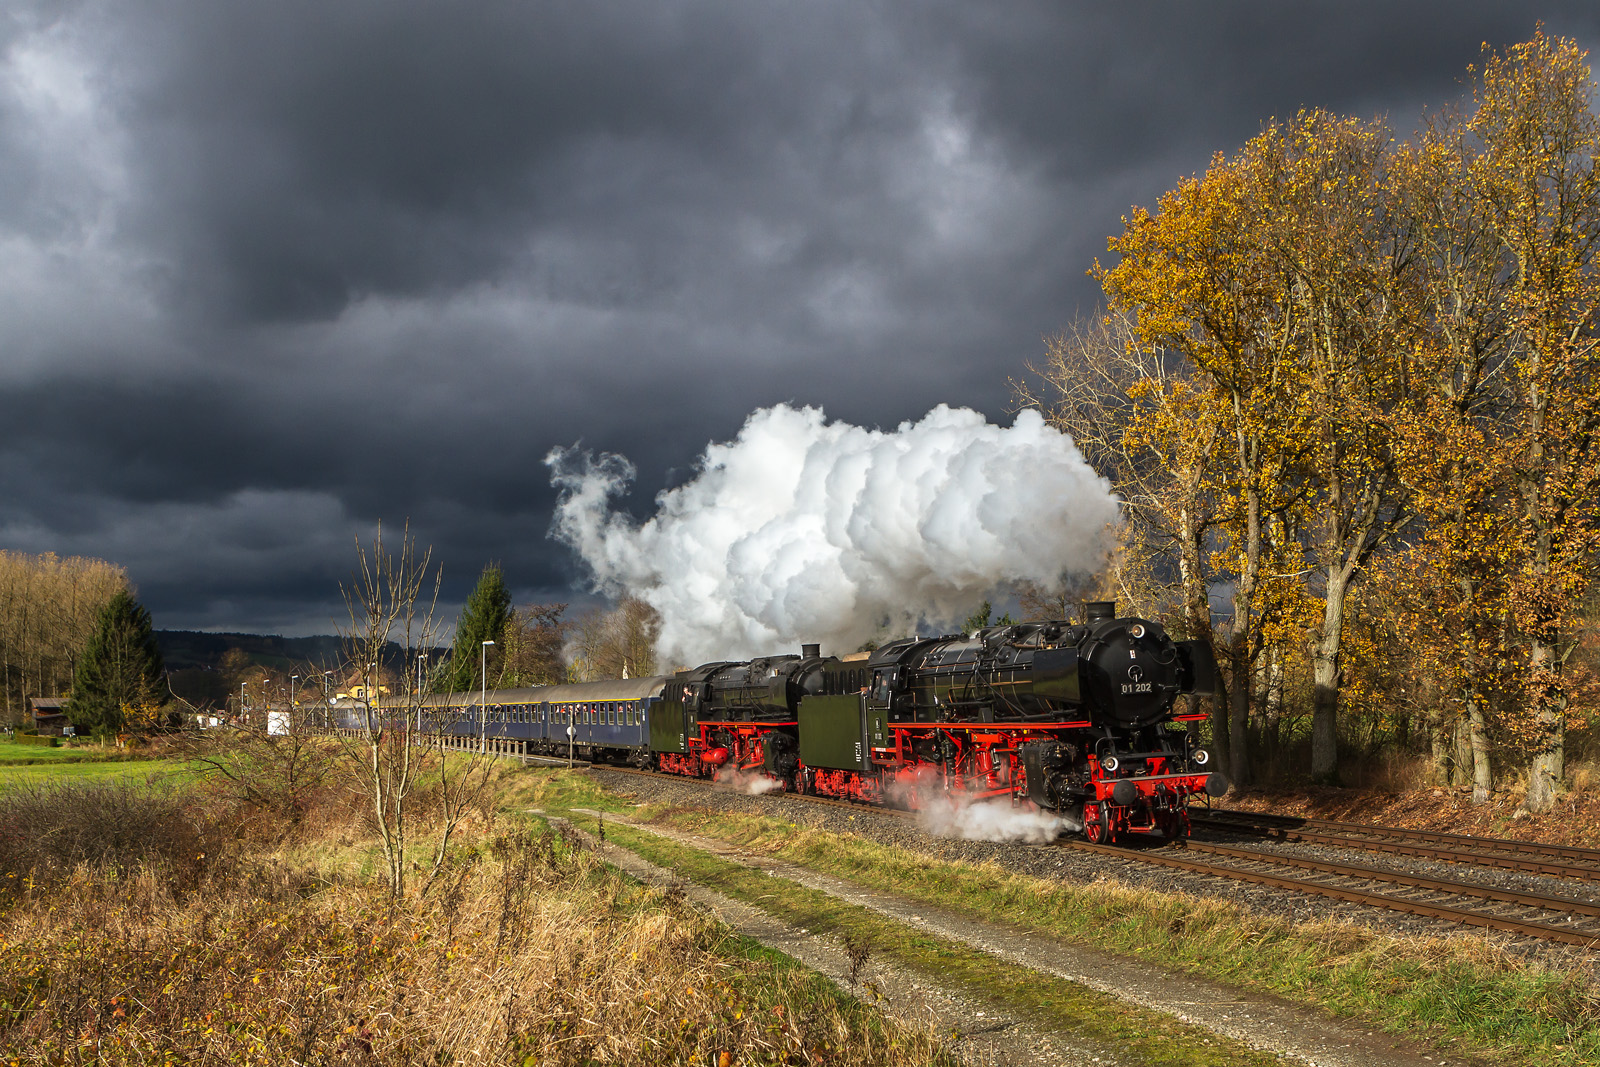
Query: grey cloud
[[270, 273]]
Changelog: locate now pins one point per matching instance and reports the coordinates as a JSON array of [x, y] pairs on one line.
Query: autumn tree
[[1535, 168], [1199, 282], [120, 669], [535, 637], [1332, 228], [484, 617], [1453, 580]]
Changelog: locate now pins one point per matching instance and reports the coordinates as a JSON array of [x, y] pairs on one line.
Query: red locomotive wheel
[[1096, 825]]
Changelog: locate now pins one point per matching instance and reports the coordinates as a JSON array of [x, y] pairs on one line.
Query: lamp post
[[241, 701], [483, 697], [294, 689], [327, 709], [422, 658]]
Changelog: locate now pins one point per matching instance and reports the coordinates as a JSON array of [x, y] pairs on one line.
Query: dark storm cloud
[[270, 273]]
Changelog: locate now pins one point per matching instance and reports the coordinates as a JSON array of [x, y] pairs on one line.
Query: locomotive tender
[[1074, 719]]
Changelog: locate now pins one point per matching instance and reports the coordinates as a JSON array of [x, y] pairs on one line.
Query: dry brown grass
[[529, 952]]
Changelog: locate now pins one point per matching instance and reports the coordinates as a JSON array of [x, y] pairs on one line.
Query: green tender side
[[667, 727], [832, 732]]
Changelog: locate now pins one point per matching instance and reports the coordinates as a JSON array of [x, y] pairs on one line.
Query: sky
[[273, 273]]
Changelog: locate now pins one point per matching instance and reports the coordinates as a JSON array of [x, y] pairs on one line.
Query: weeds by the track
[[530, 951], [1461, 992]]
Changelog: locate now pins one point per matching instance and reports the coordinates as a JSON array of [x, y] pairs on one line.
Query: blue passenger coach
[[609, 720]]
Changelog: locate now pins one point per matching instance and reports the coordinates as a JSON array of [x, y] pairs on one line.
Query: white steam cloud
[[944, 816], [804, 530]]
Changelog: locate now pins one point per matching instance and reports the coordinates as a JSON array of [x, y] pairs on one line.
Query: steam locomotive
[[1081, 720]]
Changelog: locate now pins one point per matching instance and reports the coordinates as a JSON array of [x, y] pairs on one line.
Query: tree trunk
[[1272, 706], [1482, 783], [1325, 680], [1440, 752], [1461, 760], [1239, 713], [1548, 767], [1197, 613], [1243, 625]]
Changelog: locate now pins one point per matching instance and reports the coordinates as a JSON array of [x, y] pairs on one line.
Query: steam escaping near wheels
[[803, 530]]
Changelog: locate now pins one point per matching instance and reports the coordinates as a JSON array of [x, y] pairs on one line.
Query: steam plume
[[804, 530]]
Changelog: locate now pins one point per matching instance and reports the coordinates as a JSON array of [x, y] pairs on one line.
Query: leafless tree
[[394, 749], [619, 643]]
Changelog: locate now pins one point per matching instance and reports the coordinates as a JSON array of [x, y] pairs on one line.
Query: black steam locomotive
[[1070, 718]]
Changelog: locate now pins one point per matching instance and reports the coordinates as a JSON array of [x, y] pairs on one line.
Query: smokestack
[[1095, 610], [811, 651]]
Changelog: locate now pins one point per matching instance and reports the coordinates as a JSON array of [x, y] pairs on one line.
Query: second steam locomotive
[[1079, 719]]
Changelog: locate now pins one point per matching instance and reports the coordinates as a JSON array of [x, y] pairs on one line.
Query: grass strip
[[97, 770], [1457, 992], [1461, 992], [1047, 1002]]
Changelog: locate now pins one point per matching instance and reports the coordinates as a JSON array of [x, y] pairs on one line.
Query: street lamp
[[422, 658], [483, 697], [294, 688], [241, 701], [327, 710]]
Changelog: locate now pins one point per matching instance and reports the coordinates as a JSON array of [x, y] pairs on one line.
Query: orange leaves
[[1379, 336]]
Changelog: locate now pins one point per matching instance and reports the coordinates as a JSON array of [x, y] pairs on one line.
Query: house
[[49, 715]]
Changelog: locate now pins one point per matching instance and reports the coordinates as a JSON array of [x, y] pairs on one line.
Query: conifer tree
[[484, 617], [120, 668]]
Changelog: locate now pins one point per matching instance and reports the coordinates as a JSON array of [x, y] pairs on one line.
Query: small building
[[49, 715]]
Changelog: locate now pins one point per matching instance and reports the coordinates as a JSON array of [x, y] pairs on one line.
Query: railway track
[[1566, 919], [1529, 857]]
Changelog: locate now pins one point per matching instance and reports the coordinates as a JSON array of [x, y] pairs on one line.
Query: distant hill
[[189, 649], [194, 659]]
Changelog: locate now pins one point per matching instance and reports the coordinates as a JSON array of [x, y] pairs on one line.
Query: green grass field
[[11, 751], [45, 771], [32, 763]]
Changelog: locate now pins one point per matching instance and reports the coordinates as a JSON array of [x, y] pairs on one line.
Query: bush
[[47, 831], [42, 741]]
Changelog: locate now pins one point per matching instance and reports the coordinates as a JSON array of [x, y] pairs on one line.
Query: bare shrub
[[48, 831]]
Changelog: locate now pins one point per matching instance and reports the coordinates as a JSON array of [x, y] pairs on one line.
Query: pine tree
[[120, 669], [484, 617]]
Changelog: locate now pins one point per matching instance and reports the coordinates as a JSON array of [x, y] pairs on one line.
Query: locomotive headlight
[[1136, 630], [1110, 764], [1201, 757]]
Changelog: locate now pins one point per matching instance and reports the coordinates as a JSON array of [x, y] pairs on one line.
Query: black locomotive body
[[1078, 719], [1069, 718]]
